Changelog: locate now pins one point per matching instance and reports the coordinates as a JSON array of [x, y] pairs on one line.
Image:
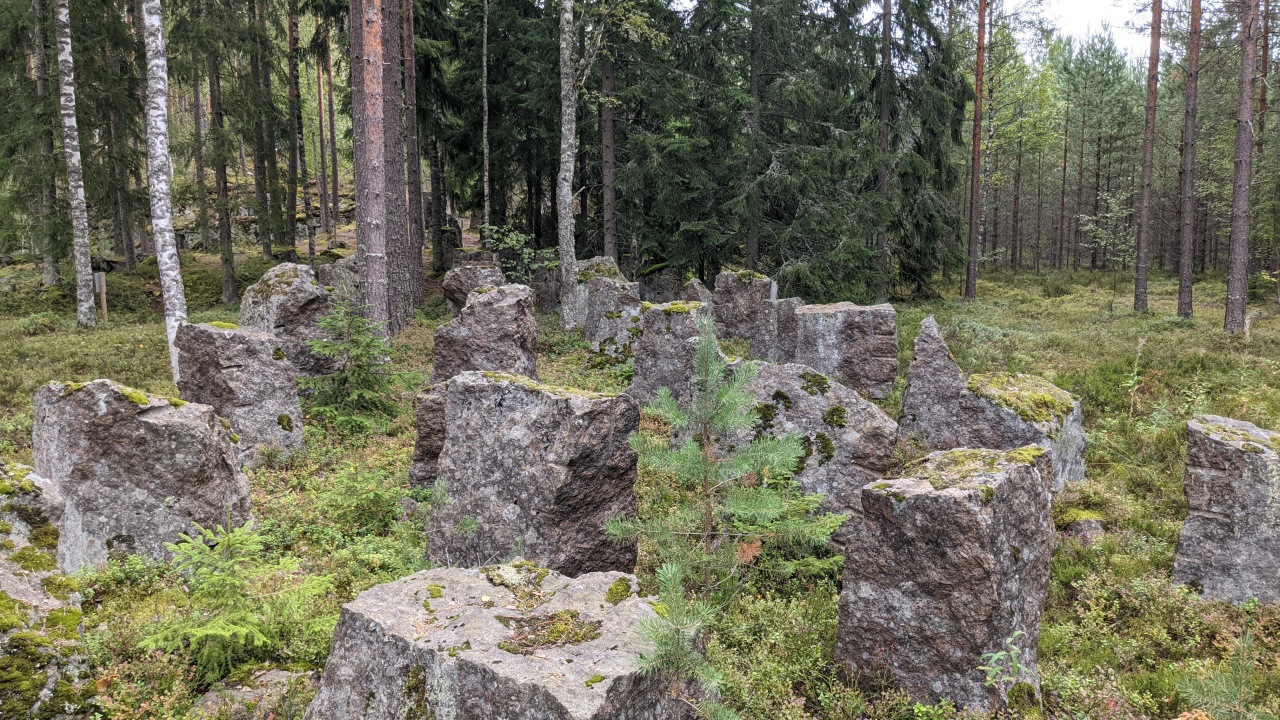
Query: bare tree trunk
[[295, 120], [1062, 198], [85, 315], [975, 177], [397, 209], [1075, 236], [202, 193], [1148, 163], [608, 157], [261, 141], [48, 193], [336, 213], [1039, 206], [1264, 75], [1237, 275], [437, 206], [569, 315], [159, 175], [280, 232], [220, 152], [882, 179], [326, 219], [368, 130], [753, 211], [413, 162], [484, 111], [301, 146]]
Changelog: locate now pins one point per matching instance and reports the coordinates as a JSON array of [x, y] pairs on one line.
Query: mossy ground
[[1117, 637]]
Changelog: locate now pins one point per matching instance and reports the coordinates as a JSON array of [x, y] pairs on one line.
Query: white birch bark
[[85, 311], [160, 175], [569, 315]]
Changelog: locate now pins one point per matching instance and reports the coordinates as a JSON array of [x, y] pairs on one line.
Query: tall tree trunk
[[220, 152], [484, 113], [608, 157], [1264, 74], [1076, 239], [368, 131], [202, 193], [569, 315], [753, 210], [159, 175], [397, 209], [1062, 198], [1148, 163], [413, 161], [1237, 275], [882, 172], [1015, 231], [1039, 206], [279, 231], [437, 205], [326, 219], [261, 141], [85, 315], [975, 178], [49, 189], [301, 145], [295, 120], [336, 213]]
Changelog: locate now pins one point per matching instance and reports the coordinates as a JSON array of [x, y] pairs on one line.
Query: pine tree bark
[[326, 219], [1039, 207], [1076, 243], [413, 162], [368, 131], [975, 165], [260, 144], [437, 206], [336, 213], [754, 137], [1237, 274], [1148, 163], [159, 177], [608, 157], [397, 211], [566, 245], [85, 315], [301, 145], [217, 124], [295, 120], [1015, 230], [49, 190], [1062, 198], [1264, 75], [279, 231], [484, 111], [882, 173]]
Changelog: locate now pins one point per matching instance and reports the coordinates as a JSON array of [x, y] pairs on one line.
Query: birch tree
[[159, 176], [85, 312]]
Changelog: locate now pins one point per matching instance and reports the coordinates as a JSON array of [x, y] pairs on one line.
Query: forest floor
[[1117, 638]]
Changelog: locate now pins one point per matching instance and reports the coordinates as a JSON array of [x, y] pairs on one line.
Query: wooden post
[[102, 293]]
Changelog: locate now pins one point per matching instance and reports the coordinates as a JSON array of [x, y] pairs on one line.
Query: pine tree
[[1148, 162], [1237, 276]]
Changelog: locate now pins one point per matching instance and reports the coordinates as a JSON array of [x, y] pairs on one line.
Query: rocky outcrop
[[942, 409], [696, 291], [945, 565], [612, 323], [1229, 547], [854, 344], [661, 285], [530, 469], [133, 471], [460, 281], [664, 354], [849, 442], [513, 641], [43, 665], [343, 279], [245, 377], [430, 416], [588, 269], [288, 303], [741, 306], [496, 331]]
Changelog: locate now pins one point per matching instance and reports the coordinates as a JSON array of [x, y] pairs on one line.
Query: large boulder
[[664, 353], [588, 269], [343, 279], [505, 642], [133, 471], [857, 345], [947, 564], [612, 324], [288, 303], [1229, 547], [460, 281], [942, 409], [245, 376], [529, 469], [849, 442], [660, 285], [740, 303], [496, 330]]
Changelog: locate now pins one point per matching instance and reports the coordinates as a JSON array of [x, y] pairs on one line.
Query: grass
[[1117, 637]]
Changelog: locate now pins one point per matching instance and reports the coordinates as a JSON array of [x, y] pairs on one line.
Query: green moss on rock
[[44, 537], [836, 416], [224, 325], [538, 632], [620, 590], [285, 422], [960, 468], [135, 396], [815, 383], [1032, 397], [29, 558]]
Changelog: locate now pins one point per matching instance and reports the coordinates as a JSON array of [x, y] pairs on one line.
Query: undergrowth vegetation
[[1119, 638]]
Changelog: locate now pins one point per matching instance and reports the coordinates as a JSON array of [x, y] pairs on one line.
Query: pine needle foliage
[[739, 506], [360, 393], [1228, 693], [240, 606]]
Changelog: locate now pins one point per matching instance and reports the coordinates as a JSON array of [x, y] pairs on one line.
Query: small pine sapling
[[359, 394], [1228, 693]]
